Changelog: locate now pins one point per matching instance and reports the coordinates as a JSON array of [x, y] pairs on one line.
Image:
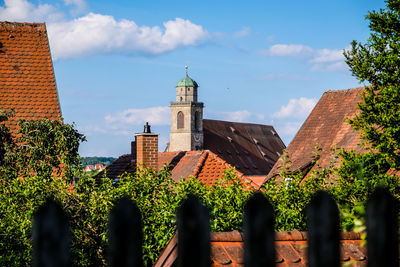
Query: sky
[[117, 62]]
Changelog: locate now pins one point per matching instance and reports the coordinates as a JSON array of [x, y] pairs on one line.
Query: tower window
[[180, 120], [181, 99], [188, 89]]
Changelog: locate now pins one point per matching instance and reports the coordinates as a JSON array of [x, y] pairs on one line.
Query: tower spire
[[186, 68]]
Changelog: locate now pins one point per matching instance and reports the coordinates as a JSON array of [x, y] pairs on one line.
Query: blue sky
[[117, 62]]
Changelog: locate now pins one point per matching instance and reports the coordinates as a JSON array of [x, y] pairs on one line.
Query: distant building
[[89, 168], [27, 81], [203, 148]]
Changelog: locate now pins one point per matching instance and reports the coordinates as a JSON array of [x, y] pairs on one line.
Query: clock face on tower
[[196, 138]]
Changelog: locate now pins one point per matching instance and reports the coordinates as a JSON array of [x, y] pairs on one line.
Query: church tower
[[186, 117]]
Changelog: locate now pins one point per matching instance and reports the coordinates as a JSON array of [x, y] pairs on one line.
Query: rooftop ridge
[[345, 90], [236, 122], [200, 164]]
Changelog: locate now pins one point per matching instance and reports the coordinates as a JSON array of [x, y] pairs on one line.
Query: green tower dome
[[187, 81]]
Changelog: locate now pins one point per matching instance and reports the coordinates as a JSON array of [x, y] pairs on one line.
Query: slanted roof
[[252, 148], [27, 82], [326, 127], [227, 249], [207, 166]]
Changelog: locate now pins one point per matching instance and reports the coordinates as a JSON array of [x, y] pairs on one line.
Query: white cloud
[[327, 55], [296, 108], [245, 31], [297, 50], [320, 60], [80, 5], [98, 34], [23, 10], [153, 115]]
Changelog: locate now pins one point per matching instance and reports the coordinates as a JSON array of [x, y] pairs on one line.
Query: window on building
[[180, 118]]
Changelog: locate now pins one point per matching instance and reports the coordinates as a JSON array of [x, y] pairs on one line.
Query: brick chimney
[[147, 148]]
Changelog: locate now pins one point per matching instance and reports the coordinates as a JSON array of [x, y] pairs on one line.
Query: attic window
[[230, 139], [229, 152], [246, 152], [237, 152], [278, 154], [232, 129], [255, 141], [273, 132]]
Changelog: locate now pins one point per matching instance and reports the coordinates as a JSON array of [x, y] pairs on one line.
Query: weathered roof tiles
[[27, 82]]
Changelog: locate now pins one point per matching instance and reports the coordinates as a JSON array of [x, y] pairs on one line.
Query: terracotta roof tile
[[291, 249], [326, 127], [27, 81], [207, 166]]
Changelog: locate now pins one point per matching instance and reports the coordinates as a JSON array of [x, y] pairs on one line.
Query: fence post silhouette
[[51, 236], [382, 227], [193, 225], [259, 233], [125, 235], [323, 231]]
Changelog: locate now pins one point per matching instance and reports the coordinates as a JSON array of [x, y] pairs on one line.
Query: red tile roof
[[227, 249], [27, 80], [252, 148], [326, 127], [207, 166]]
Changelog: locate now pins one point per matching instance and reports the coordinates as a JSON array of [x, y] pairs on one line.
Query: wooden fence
[[51, 233]]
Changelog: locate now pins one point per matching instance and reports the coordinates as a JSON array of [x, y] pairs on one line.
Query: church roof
[[252, 148], [326, 127], [27, 82], [187, 81]]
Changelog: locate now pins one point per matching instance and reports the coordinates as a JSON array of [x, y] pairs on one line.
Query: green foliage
[[377, 62], [45, 147], [94, 160]]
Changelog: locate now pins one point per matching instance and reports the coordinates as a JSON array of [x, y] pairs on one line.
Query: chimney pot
[[147, 128]]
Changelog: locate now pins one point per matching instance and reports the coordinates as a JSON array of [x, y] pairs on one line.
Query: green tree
[[377, 63]]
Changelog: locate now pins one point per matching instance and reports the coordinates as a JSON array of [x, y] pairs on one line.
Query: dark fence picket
[[259, 233], [193, 225], [51, 236], [382, 229], [125, 235], [323, 231]]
